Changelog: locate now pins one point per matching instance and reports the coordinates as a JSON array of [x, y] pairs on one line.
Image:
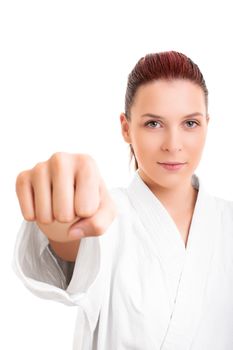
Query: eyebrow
[[158, 116]]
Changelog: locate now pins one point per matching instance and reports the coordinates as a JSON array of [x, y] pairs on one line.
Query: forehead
[[161, 96]]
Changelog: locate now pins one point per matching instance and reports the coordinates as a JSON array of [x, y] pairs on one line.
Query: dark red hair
[[167, 65]]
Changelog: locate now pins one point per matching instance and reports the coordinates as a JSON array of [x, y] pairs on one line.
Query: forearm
[[67, 251]]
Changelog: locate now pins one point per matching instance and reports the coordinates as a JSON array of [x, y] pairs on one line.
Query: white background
[[63, 74]]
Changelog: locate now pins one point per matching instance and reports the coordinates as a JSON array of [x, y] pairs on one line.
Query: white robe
[[137, 286]]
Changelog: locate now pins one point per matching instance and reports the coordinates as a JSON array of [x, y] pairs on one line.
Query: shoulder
[[224, 204], [225, 207]]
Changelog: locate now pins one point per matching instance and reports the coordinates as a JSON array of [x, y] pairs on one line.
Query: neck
[[177, 200]]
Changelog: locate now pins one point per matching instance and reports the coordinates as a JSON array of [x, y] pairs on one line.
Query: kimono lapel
[[186, 315], [185, 270], [166, 241]]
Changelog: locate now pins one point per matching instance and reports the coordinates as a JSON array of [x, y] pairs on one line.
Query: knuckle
[[83, 213], [63, 217], [44, 220], [21, 179], [58, 157], [40, 168], [86, 161], [58, 162], [29, 217]]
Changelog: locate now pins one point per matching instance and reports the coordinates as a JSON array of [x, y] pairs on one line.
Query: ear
[[125, 128], [207, 118]]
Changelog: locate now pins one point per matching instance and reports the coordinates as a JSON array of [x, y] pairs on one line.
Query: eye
[[151, 122], [192, 121]]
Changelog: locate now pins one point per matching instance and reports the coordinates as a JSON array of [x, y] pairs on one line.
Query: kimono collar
[[185, 269], [156, 217]]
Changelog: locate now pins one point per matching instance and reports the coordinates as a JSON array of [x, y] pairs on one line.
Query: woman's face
[[172, 135]]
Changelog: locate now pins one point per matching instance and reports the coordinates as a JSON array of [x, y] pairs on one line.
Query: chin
[[169, 179]]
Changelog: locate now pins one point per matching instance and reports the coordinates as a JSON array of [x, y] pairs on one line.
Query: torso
[[183, 223], [184, 230]]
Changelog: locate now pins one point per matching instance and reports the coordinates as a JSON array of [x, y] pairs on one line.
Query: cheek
[[143, 144], [195, 141]]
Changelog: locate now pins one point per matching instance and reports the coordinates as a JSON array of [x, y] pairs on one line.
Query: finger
[[87, 193], [98, 223], [63, 190], [25, 195], [41, 182]]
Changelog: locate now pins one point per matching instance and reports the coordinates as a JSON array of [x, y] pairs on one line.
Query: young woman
[[149, 266]]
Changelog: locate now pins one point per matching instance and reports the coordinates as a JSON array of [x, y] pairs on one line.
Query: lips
[[171, 163], [172, 166]]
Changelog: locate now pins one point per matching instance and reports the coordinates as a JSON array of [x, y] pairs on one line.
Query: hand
[[63, 193]]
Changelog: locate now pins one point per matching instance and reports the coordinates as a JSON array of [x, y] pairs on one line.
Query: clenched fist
[[63, 193]]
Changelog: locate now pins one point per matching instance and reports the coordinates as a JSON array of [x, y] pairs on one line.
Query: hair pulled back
[[167, 65]]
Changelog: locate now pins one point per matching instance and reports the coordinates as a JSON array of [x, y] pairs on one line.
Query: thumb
[[95, 225], [81, 230], [98, 223]]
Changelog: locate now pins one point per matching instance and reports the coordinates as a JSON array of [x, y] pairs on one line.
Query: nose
[[172, 141]]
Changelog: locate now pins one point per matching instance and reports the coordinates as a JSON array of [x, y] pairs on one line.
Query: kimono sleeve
[[38, 269]]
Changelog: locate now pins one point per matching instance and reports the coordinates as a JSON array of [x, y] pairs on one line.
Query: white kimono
[[137, 286]]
